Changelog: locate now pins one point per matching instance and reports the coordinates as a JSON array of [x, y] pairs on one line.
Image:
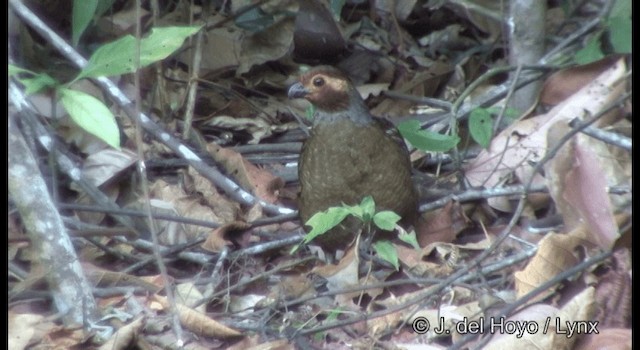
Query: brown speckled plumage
[[348, 156]]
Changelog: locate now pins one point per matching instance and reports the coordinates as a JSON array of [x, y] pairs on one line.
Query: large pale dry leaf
[[23, 329], [260, 181], [188, 294], [243, 305], [578, 178], [526, 141], [199, 323], [342, 276], [556, 253], [105, 164]]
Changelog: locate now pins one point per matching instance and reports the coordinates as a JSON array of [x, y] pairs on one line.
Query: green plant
[[111, 59], [386, 220], [614, 35]]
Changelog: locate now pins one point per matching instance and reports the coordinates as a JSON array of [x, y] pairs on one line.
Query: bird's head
[[329, 90]]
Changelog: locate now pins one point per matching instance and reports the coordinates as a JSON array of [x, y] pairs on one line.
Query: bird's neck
[[356, 111]]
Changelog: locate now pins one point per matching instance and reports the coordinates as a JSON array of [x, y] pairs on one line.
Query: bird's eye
[[318, 82]]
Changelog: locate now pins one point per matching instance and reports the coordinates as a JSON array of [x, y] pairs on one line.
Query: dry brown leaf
[[216, 240], [262, 182], [222, 48], [25, 329], [105, 164], [269, 45], [564, 83], [556, 253], [124, 338], [381, 325], [438, 225], [103, 278], [613, 292], [526, 140], [199, 323], [342, 276], [578, 178]]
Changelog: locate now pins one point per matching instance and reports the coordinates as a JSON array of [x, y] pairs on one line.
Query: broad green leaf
[[426, 140], [13, 70], [621, 8], [325, 221], [37, 83], [83, 12], [386, 220], [91, 115], [368, 208], [410, 238], [620, 34], [591, 52], [118, 57], [481, 126], [387, 252]]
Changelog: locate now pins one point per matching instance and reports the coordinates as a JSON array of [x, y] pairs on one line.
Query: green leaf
[[118, 57], [387, 252], [83, 12], [591, 52], [386, 220], [324, 221], [91, 115], [410, 238], [13, 70], [426, 140], [103, 6], [35, 82], [620, 34], [368, 207], [621, 8], [481, 126]]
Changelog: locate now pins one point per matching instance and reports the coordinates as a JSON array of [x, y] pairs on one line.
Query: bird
[[348, 155]]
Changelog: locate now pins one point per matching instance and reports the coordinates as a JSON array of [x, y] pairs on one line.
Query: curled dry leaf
[[526, 141], [342, 276], [262, 182], [199, 323], [215, 240], [556, 253], [124, 338]]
